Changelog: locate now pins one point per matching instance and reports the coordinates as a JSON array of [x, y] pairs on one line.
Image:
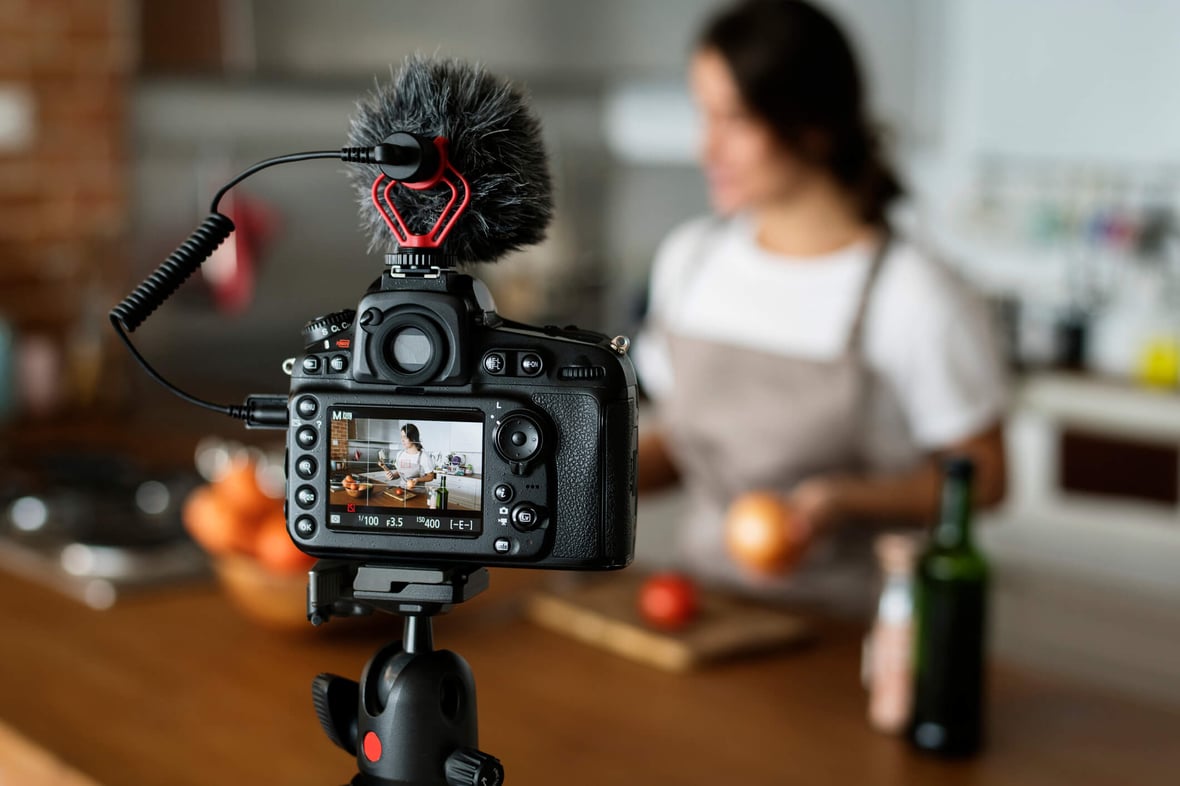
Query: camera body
[[425, 428]]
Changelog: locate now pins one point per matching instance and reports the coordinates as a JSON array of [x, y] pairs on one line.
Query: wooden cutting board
[[603, 613], [24, 763]]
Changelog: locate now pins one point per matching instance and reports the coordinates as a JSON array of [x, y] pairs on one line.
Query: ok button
[[305, 497]]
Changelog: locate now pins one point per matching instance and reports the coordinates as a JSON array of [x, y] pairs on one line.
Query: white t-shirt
[[928, 340], [412, 465]]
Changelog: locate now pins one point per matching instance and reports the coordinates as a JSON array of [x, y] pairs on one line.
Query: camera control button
[[305, 527], [311, 364], [518, 438], [306, 437], [494, 363], [306, 497], [503, 493], [531, 364], [526, 517], [502, 545], [305, 467], [338, 363], [307, 407]]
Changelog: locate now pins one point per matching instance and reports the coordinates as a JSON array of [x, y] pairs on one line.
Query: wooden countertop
[[176, 687], [376, 497]]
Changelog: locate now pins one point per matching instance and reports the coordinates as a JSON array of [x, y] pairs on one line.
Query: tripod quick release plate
[[349, 589]]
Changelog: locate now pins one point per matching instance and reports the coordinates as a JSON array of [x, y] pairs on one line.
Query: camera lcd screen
[[405, 471]]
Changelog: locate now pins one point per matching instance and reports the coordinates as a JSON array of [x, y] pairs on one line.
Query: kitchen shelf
[[1103, 404]]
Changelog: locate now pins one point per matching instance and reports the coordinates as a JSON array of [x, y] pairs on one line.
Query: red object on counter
[[668, 601]]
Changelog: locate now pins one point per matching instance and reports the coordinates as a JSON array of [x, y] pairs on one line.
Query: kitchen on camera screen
[[405, 471]]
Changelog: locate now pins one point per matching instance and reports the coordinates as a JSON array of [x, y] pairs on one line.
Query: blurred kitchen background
[[1041, 143]]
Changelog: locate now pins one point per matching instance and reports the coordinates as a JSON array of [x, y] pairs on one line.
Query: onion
[[763, 535]]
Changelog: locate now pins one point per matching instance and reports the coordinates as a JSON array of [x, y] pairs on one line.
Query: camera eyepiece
[[413, 347]]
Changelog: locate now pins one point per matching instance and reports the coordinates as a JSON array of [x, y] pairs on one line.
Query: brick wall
[[63, 195], [338, 449]]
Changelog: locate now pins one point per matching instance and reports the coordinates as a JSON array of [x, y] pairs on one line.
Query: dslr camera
[[425, 428]]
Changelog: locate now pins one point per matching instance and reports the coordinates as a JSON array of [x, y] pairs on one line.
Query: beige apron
[[740, 420]]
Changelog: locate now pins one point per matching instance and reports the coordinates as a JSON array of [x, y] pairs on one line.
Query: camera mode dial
[[322, 328]]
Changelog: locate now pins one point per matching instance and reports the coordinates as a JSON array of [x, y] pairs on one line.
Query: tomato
[[763, 535], [668, 601]]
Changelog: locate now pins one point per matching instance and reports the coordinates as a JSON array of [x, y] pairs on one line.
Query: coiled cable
[[200, 245], [167, 278], [134, 309]]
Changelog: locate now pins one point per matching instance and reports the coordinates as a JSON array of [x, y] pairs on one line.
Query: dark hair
[[795, 68], [411, 432]]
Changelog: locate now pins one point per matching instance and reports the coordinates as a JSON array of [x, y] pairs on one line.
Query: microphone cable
[[154, 290]]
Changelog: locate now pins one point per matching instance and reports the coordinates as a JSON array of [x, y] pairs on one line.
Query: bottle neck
[[954, 523]]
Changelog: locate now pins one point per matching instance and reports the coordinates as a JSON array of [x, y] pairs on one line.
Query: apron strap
[[856, 332]]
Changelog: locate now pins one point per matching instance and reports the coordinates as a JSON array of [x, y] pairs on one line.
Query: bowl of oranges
[[237, 517], [354, 487]]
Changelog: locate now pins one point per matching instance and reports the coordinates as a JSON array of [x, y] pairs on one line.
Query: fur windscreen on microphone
[[494, 141]]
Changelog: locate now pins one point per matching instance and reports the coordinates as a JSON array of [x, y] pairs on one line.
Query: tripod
[[411, 720]]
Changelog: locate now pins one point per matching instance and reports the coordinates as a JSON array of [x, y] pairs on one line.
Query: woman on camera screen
[[796, 344], [412, 465]]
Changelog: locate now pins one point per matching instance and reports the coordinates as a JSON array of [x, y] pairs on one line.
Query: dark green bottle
[[443, 493], [950, 595]]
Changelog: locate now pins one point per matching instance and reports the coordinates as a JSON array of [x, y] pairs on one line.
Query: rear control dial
[[518, 438]]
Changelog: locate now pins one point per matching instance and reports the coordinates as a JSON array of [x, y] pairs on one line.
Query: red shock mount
[[460, 198]]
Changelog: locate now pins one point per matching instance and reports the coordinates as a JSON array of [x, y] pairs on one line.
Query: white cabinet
[[464, 491]]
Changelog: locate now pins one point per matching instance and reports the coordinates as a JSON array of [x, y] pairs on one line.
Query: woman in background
[[413, 466], [796, 344]]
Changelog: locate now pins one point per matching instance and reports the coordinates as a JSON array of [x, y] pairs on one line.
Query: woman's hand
[[656, 469], [389, 473], [411, 483], [818, 503]]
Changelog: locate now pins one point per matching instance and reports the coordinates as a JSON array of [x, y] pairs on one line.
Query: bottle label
[[891, 684]]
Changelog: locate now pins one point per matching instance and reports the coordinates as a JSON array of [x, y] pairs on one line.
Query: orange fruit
[[214, 524], [238, 487], [276, 552], [763, 535]]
